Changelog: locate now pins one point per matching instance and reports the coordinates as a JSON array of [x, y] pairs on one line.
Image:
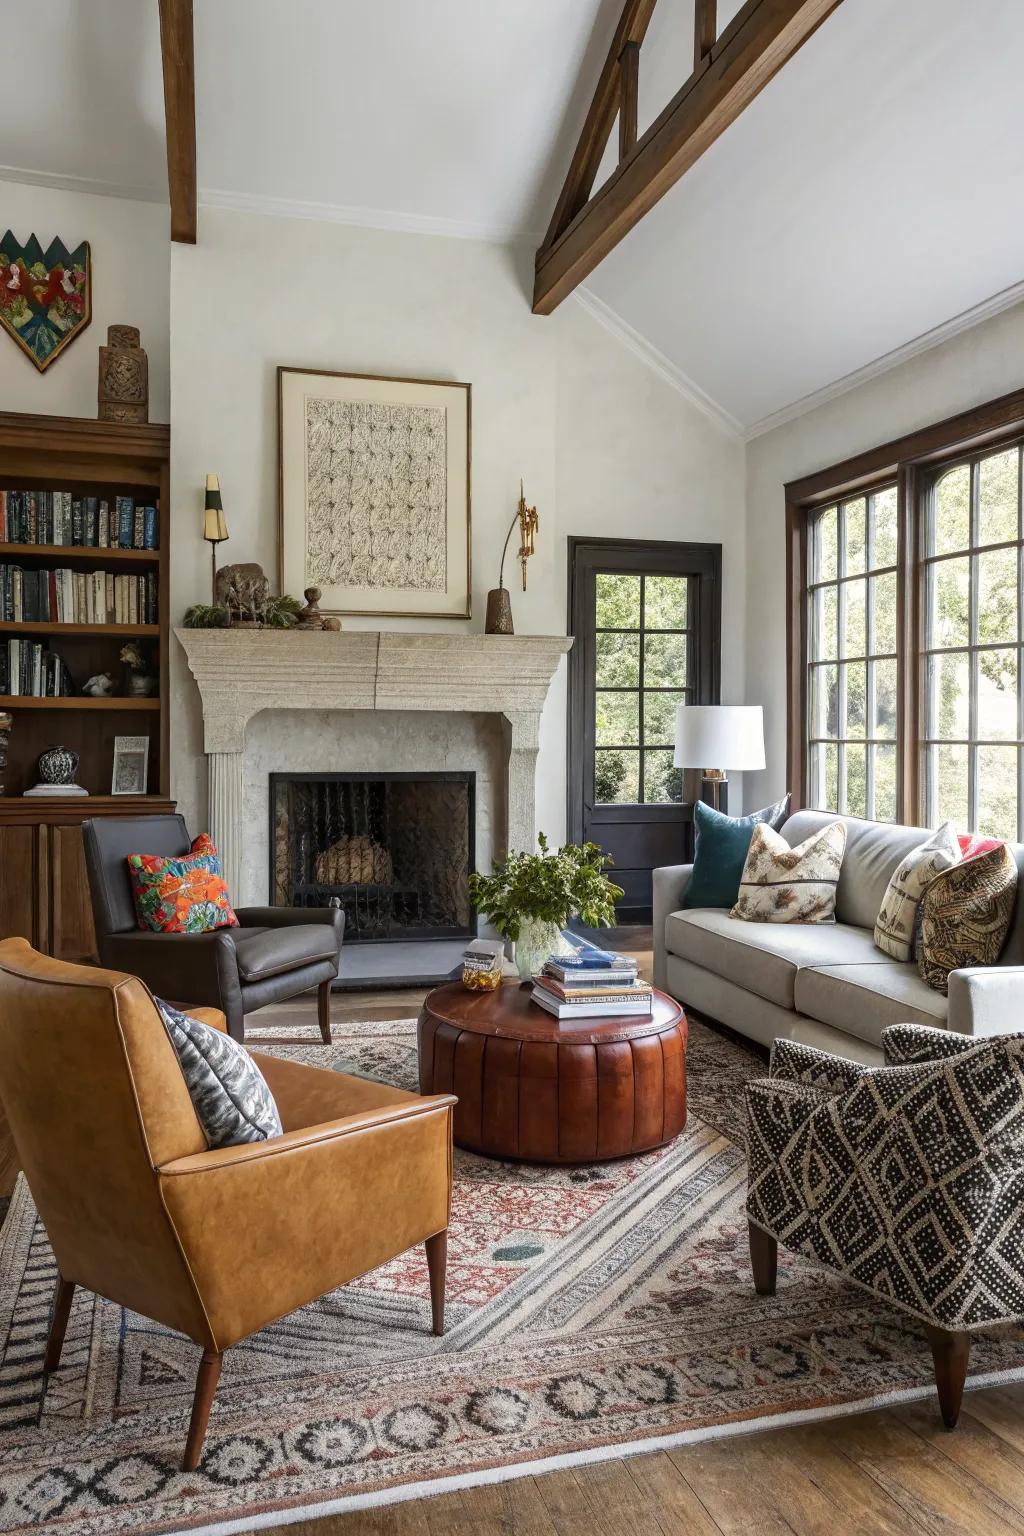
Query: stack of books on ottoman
[[592, 984]]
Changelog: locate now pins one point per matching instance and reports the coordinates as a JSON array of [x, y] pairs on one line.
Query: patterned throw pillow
[[781, 884], [181, 895], [897, 916], [967, 913], [230, 1093], [972, 843]]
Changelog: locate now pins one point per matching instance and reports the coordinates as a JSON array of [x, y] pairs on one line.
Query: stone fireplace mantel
[[241, 672]]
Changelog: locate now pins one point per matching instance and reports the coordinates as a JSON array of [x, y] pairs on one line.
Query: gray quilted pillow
[[230, 1093]]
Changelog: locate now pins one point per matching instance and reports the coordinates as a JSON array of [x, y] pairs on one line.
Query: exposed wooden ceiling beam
[[755, 45], [705, 29], [176, 48], [632, 27]]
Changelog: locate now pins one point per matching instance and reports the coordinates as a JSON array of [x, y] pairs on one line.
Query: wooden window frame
[[903, 461]]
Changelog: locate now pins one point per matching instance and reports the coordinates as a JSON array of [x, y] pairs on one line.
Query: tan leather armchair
[[216, 1244]]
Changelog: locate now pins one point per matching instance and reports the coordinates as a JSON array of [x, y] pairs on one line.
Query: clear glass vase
[[537, 941]]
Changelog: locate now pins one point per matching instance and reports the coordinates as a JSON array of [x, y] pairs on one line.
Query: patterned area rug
[[590, 1310]]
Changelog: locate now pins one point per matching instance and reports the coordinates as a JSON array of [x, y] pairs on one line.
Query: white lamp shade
[[720, 736]]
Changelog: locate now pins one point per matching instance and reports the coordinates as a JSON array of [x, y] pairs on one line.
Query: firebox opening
[[394, 849]]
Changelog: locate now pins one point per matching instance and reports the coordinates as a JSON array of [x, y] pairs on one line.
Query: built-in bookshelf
[[83, 572]]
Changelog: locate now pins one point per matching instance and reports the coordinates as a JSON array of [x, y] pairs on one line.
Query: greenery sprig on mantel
[[552, 886], [277, 613]]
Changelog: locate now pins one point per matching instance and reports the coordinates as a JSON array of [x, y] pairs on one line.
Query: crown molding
[[658, 363], [81, 184], [364, 218], [949, 329]]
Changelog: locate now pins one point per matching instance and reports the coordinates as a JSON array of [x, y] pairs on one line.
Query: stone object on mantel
[[243, 672]]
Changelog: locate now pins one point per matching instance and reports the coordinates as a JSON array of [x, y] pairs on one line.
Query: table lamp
[[723, 735], [215, 529]]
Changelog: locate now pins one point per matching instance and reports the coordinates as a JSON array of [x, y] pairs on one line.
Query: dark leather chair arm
[[181, 967], [291, 917]]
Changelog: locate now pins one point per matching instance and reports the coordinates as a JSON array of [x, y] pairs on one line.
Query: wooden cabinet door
[[72, 935], [22, 884]]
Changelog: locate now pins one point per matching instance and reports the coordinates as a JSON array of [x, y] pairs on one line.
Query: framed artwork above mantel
[[374, 493]]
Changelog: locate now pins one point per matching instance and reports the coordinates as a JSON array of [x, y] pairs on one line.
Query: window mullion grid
[[1020, 643], [841, 666], [812, 757], [972, 654], [869, 666], [640, 700]]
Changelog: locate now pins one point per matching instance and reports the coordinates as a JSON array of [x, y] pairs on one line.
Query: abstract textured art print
[[374, 482]]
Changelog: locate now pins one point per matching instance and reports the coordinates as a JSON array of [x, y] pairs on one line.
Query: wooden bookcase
[[43, 893]]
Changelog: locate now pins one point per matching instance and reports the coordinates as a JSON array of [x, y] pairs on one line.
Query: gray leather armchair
[[274, 954]]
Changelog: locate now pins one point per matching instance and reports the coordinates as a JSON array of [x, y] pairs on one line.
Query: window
[[852, 676], [973, 733], [642, 672], [907, 628]]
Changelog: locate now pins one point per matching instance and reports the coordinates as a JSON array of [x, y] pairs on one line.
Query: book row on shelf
[[65, 596], [592, 984], [59, 517], [29, 670]]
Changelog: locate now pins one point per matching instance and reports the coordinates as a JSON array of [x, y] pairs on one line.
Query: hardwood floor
[[891, 1473]]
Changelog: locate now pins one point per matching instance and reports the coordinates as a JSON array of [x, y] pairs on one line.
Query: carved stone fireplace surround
[[241, 672]]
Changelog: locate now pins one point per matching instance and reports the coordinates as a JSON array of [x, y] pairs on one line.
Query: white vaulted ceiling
[[870, 196]]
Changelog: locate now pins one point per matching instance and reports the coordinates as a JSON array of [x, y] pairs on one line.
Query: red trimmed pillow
[[972, 844], [186, 894]]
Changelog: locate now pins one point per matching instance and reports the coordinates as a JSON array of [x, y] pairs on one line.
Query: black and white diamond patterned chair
[[907, 1180]]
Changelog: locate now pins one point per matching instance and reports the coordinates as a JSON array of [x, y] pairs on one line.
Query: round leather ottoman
[[530, 1087]]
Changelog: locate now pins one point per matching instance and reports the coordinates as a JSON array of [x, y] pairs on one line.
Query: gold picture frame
[[374, 496]]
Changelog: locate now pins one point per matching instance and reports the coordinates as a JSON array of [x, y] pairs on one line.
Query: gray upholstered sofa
[[826, 984]]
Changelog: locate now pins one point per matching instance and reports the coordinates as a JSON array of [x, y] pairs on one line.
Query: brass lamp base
[[714, 790]]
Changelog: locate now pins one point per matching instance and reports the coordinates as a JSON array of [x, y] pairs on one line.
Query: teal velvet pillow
[[721, 851]]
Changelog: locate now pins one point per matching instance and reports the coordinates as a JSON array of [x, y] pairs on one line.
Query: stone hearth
[[241, 673]]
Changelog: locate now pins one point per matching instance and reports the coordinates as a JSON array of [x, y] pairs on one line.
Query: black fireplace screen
[[395, 850]]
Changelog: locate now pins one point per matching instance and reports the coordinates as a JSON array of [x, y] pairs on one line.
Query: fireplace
[[394, 850]]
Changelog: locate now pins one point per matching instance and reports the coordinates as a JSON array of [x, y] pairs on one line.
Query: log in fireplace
[[394, 850]]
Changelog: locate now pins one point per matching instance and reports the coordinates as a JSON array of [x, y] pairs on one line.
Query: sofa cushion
[[967, 914], [781, 884], [268, 952], [874, 849], [863, 999], [898, 914], [720, 850], [185, 894], [764, 957]]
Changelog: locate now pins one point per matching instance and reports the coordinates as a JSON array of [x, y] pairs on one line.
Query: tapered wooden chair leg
[[206, 1386], [323, 1010], [764, 1259], [951, 1353], [437, 1264], [58, 1327]]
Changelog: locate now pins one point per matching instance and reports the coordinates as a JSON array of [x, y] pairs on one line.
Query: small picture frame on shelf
[[131, 765]]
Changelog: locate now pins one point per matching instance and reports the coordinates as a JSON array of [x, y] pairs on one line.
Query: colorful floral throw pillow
[[186, 894]]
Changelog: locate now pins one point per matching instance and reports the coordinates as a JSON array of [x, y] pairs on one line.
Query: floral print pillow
[[186, 894], [781, 884]]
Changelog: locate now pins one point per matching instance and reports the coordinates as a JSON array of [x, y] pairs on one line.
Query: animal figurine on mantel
[[243, 590], [100, 687]]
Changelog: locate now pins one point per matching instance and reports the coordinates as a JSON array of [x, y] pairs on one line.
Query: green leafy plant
[[205, 616], [277, 613], [552, 886]]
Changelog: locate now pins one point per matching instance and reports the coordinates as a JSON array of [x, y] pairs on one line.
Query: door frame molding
[[707, 557]]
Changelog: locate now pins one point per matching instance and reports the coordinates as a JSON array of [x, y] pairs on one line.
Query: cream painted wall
[[130, 244], [979, 365], [604, 446]]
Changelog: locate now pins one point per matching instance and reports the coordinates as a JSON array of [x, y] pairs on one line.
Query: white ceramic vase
[[536, 942]]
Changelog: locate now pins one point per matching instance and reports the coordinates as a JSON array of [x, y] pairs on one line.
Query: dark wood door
[[646, 616]]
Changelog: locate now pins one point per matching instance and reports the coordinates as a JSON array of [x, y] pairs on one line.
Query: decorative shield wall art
[[374, 493], [45, 298]]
